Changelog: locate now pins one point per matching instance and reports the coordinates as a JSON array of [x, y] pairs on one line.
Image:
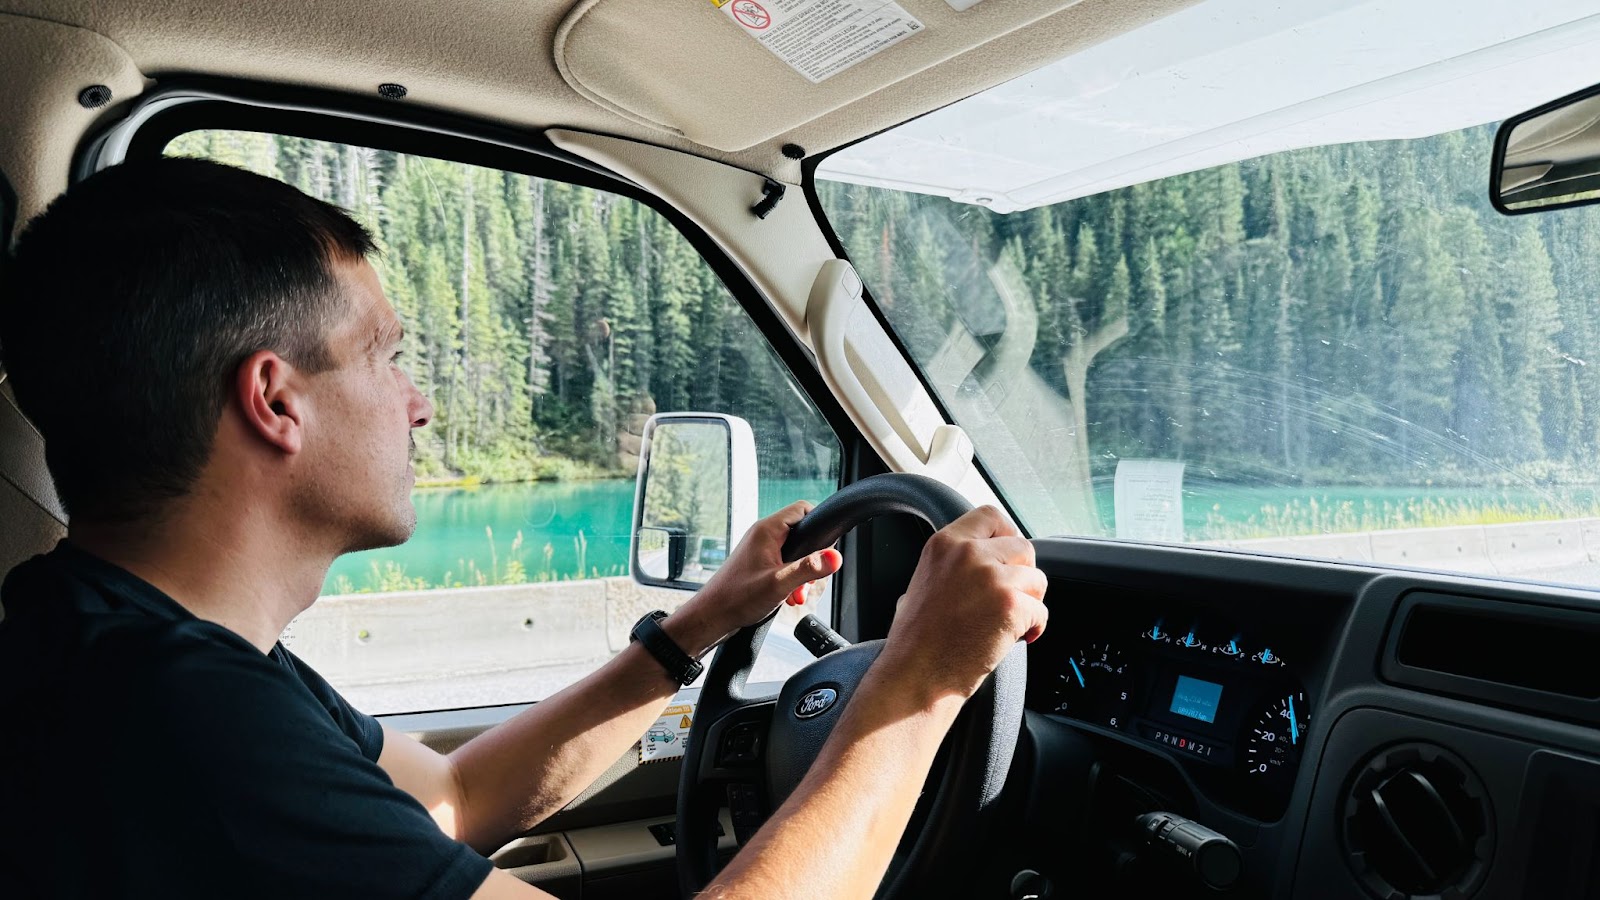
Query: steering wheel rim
[[980, 743]]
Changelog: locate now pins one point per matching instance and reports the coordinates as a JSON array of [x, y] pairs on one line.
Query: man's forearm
[[519, 773], [836, 833]]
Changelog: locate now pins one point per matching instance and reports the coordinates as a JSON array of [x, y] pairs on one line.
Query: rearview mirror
[[696, 496], [1548, 158]]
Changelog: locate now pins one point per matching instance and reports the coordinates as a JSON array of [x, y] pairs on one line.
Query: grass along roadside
[[1310, 517], [388, 576], [499, 563]]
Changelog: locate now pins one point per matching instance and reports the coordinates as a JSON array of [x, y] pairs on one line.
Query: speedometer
[[1278, 731]]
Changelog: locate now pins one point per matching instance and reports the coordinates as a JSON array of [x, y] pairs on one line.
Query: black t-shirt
[[147, 753]]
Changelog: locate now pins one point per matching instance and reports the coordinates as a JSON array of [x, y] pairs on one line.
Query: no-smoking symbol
[[751, 14]]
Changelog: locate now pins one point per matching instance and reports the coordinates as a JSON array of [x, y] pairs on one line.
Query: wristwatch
[[680, 666]]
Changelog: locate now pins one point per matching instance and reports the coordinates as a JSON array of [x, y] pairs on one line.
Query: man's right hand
[[976, 592]]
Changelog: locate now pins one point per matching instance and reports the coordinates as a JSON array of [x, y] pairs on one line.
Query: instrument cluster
[[1204, 690]]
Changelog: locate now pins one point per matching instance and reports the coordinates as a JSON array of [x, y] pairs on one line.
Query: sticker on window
[[1148, 501], [821, 38], [665, 738]]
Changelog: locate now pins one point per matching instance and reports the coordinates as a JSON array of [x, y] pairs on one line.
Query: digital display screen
[[1196, 699]]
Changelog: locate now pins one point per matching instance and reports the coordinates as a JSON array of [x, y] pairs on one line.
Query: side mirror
[[1548, 158], [696, 497]]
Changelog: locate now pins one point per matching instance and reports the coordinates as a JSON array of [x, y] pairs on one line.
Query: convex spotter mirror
[[696, 496], [1548, 158]]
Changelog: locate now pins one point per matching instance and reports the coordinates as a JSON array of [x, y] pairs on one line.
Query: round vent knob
[[1417, 824]]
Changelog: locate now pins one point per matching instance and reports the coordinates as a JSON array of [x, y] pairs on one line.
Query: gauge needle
[[1077, 673], [1294, 727]]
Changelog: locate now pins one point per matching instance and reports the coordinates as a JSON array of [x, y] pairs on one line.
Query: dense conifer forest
[[1351, 314]]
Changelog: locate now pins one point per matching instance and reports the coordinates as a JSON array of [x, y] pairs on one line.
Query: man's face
[[358, 473]]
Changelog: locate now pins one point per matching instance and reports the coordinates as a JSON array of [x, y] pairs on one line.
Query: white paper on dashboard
[[1148, 499]]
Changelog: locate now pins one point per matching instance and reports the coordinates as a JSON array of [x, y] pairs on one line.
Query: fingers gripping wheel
[[931, 501], [751, 753]]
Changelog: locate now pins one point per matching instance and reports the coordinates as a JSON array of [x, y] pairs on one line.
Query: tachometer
[[1095, 686], [1275, 736]]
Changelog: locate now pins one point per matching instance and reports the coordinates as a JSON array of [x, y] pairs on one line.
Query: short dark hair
[[132, 300]]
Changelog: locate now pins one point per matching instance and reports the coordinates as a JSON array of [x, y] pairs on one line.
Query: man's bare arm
[[836, 833], [515, 775], [852, 806], [521, 771], [975, 594]]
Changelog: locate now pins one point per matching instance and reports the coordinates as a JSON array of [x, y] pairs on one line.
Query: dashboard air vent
[[1416, 823], [1520, 646]]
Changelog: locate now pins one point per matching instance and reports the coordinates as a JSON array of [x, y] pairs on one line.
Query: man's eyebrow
[[390, 332]]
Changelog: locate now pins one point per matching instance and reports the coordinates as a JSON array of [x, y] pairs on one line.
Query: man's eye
[[396, 356]]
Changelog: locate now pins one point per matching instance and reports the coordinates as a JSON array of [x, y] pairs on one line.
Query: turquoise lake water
[[567, 527], [582, 526]]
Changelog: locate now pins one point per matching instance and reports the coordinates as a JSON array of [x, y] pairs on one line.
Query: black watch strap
[[680, 666]]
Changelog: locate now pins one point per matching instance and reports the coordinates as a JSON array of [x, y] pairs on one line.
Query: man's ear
[[270, 406]]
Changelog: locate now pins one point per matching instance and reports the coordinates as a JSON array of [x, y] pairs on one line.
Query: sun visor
[[1227, 80], [730, 74]]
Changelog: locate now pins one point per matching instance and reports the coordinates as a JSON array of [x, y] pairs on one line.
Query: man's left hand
[[754, 579]]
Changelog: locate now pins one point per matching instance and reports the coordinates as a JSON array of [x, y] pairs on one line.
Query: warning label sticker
[[821, 38], [665, 738]]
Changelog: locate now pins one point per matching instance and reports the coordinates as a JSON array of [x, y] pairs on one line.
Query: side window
[[546, 322]]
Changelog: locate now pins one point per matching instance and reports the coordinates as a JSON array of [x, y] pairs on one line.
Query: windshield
[[1311, 333]]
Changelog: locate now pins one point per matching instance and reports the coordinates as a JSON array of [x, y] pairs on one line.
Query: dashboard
[[1225, 699], [1324, 729]]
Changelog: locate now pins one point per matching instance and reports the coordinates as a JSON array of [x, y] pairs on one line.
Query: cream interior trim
[[22, 462], [714, 82], [835, 304], [43, 66], [576, 82], [496, 62], [32, 515], [604, 848], [782, 255]]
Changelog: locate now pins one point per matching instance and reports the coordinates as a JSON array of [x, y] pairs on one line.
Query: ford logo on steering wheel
[[815, 703]]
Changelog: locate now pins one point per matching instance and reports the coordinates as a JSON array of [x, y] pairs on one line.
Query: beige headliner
[[652, 70]]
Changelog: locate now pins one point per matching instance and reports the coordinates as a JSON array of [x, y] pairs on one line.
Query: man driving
[[211, 361]]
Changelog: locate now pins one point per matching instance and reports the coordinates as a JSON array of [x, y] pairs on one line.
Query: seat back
[[31, 518]]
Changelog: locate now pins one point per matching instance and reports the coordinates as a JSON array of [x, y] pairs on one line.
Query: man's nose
[[421, 408]]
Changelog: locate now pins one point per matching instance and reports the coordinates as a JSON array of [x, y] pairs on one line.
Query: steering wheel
[[751, 752]]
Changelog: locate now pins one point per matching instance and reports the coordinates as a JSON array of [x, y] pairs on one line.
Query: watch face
[[655, 615]]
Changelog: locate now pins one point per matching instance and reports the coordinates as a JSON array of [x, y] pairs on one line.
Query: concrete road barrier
[[1349, 547], [461, 634], [1536, 545], [1459, 549], [462, 646], [424, 635], [1479, 549]]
